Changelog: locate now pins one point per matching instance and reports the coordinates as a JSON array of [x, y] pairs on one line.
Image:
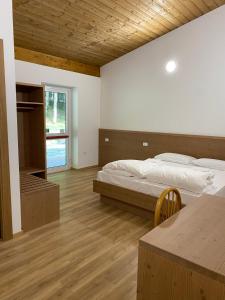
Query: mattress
[[153, 189]]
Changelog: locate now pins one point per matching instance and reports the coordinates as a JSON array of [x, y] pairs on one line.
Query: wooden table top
[[194, 237]]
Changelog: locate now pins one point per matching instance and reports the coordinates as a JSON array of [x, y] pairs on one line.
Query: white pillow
[[176, 158], [210, 163]]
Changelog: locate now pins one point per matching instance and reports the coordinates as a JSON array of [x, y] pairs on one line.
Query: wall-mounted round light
[[171, 66]]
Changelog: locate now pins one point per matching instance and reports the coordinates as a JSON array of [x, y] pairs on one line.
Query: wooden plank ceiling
[[96, 32]]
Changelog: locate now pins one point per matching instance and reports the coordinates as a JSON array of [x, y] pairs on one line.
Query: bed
[[142, 194], [135, 185], [137, 195], [141, 185]]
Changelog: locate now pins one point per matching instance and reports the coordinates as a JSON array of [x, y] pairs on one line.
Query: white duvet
[[131, 167], [186, 178], [190, 178]]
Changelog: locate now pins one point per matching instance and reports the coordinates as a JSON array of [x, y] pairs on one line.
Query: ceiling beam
[[55, 62]]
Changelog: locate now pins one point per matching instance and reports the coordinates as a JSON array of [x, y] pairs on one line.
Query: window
[[56, 112], [57, 153], [58, 128]]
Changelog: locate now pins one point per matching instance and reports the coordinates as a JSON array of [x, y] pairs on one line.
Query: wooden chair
[[168, 204]]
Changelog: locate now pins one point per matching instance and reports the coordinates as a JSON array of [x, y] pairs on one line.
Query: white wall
[[86, 106], [6, 33], [137, 93]]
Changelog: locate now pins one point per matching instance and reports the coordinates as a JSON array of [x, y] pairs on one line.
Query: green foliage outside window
[[55, 112]]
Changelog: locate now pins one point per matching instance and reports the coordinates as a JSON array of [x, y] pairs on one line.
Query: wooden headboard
[[123, 144]]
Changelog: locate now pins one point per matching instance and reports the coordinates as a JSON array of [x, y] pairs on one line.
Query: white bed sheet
[[153, 189]]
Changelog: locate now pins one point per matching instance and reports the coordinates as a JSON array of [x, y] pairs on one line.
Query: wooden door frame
[[5, 191]]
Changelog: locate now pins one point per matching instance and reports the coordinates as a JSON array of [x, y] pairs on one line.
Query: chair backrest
[[168, 204]]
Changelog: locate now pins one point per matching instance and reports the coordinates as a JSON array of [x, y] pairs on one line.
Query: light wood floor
[[90, 254]]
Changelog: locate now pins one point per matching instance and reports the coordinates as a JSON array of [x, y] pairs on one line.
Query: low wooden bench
[[39, 202]]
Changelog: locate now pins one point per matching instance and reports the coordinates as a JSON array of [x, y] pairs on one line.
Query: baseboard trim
[[18, 234]]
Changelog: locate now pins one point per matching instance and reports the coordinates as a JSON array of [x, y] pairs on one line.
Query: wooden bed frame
[[135, 202], [122, 144]]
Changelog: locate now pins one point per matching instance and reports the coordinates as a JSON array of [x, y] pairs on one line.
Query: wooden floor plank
[[91, 253]]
